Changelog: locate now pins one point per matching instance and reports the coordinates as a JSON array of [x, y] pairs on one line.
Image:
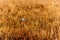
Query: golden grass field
[[29, 20]]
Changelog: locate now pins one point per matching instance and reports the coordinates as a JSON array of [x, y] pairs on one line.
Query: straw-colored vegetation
[[20, 21]]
